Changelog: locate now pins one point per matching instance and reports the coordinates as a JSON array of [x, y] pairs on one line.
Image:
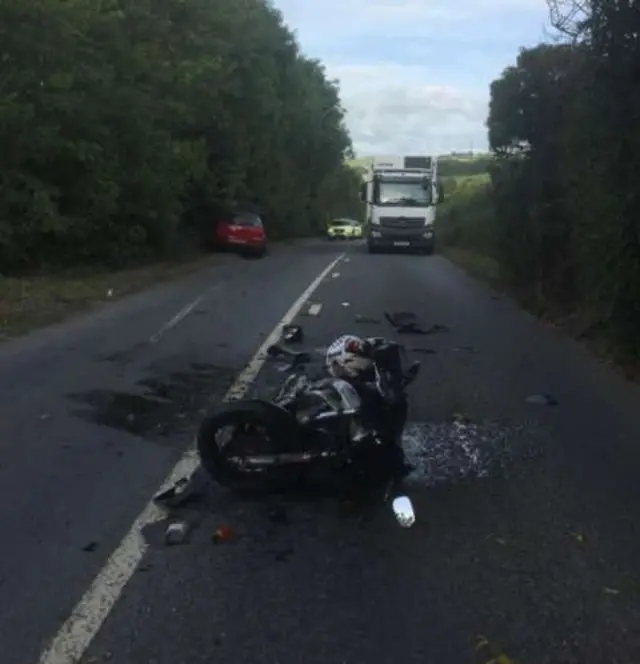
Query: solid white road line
[[76, 634], [315, 309]]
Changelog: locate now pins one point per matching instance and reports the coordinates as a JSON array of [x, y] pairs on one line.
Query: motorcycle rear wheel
[[257, 428]]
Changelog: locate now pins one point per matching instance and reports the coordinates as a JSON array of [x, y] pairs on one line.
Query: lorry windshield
[[403, 194]]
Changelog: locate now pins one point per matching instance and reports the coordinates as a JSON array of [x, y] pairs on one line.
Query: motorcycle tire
[[281, 431]]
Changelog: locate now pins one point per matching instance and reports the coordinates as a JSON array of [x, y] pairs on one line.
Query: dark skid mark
[[157, 408]]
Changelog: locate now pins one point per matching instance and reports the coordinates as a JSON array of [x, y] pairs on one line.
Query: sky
[[414, 74]]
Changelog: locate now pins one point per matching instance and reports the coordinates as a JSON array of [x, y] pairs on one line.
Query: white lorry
[[401, 194]]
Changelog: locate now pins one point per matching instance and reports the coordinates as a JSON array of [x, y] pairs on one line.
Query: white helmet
[[344, 358]]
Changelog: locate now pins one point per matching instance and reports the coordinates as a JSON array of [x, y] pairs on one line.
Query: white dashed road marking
[[182, 314]]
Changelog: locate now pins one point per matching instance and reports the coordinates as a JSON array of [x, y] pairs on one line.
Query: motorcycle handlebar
[[375, 351]]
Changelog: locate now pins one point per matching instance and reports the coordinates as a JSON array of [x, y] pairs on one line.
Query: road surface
[[527, 532]]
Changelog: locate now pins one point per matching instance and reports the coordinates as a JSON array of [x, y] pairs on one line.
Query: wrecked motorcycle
[[344, 432]]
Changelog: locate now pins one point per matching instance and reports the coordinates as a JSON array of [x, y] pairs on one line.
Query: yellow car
[[343, 229]]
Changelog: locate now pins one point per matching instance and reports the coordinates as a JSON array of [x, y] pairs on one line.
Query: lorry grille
[[402, 222]]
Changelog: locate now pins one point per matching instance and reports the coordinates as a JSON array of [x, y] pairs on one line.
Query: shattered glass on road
[[448, 452]]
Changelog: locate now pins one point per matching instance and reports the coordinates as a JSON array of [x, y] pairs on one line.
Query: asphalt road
[[527, 512]]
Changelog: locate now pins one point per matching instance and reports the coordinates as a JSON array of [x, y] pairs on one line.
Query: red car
[[243, 233]]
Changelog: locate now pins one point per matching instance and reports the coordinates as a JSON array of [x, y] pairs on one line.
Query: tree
[[128, 126]]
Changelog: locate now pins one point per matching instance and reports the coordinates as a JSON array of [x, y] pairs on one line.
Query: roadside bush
[[466, 217]]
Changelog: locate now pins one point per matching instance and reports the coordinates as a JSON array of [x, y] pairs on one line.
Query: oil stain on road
[[158, 408]]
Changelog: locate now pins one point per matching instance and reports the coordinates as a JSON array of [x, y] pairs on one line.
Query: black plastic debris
[[185, 490], [542, 400], [437, 329], [292, 334], [90, 548], [296, 357], [424, 351], [406, 322], [401, 318], [366, 319]]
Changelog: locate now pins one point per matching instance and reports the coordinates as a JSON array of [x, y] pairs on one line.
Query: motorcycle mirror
[[403, 511]]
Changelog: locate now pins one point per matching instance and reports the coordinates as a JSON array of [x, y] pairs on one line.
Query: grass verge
[[482, 267], [32, 302]]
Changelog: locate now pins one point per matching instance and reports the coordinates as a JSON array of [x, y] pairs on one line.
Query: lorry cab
[[401, 195]]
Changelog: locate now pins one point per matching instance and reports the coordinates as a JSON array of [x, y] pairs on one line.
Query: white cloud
[[414, 74], [392, 109]]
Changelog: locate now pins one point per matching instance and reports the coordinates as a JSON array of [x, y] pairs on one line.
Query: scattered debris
[[346, 304], [464, 349], [176, 533], [335, 275], [292, 334], [296, 358], [425, 351], [542, 400], [185, 490], [400, 318], [437, 329], [223, 534], [610, 591], [45, 416], [91, 547], [110, 292], [406, 322], [579, 537]]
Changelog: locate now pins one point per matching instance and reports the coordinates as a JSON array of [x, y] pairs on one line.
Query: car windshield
[[404, 194], [248, 220], [342, 222]]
